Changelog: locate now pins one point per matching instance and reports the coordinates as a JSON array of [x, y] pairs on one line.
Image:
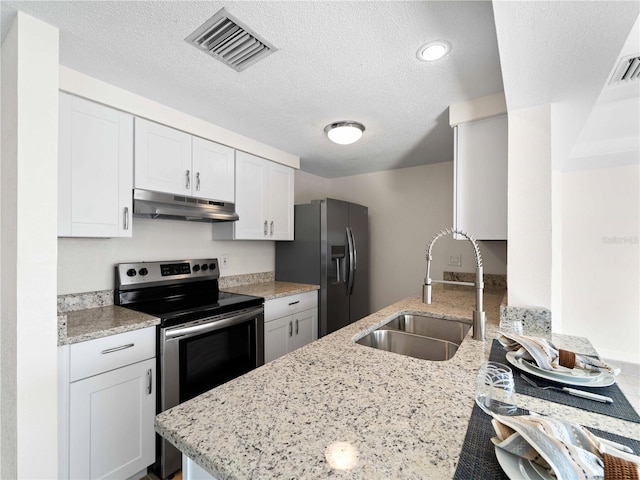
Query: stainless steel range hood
[[148, 204]]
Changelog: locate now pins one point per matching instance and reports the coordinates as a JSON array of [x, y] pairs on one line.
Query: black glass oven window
[[212, 359]]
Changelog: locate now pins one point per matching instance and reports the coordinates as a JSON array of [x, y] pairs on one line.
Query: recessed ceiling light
[[344, 132], [433, 50]]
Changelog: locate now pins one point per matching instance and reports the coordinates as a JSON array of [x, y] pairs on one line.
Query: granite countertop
[[91, 323], [390, 415], [93, 315], [272, 289]]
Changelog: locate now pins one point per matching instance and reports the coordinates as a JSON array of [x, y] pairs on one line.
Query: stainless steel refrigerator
[[330, 249]]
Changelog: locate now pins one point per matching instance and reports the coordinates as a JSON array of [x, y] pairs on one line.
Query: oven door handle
[[181, 332]]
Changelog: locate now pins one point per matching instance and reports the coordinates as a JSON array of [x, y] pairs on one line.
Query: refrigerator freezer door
[[334, 223]]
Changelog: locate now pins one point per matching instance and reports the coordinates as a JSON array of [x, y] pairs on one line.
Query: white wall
[[601, 259], [529, 214], [310, 187], [28, 250], [407, 207], [87, 264]]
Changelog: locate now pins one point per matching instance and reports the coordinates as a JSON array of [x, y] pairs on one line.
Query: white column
[[529, 258], [28, 250]]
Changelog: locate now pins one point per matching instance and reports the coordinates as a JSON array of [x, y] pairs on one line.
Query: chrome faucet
[[479, 317]]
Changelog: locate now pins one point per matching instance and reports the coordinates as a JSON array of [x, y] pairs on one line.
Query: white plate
[[517, 468], [603, 379], [575, 374]]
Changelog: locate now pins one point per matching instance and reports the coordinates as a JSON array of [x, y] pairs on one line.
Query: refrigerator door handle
[[353, 259]]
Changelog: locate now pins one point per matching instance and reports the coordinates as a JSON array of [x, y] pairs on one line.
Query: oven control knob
[[196, 268], [205, 267], [143, 271], [212, 266], [131, 272]]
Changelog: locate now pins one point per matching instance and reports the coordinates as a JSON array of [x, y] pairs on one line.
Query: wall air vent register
[[628, 70], [224, 37]]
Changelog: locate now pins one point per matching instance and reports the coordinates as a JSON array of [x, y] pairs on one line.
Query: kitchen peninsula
[[336, 408]]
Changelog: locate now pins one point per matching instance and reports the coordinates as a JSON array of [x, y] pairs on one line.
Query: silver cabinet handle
[[297, 329], [265, 228], [188, 185], [198, 181], [272, 228], [117, 349], [294, 303], [149, 381], [290, 329], [126, 218]]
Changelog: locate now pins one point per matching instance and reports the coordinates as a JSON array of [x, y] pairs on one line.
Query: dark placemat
[[620, 408], [478, 458]]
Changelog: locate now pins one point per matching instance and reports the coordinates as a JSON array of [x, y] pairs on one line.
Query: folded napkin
[[548, 357], [567, 451]]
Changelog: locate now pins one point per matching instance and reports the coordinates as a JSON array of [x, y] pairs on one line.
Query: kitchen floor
[[628, 381], [151, 476]]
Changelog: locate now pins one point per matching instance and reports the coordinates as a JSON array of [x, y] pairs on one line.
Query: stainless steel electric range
[[205, 337]]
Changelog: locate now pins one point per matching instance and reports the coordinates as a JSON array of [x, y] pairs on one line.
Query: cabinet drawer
[[280, 307], [103, 354]]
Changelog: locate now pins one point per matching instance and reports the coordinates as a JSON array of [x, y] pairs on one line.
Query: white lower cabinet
[[289, 323], [111, 408]]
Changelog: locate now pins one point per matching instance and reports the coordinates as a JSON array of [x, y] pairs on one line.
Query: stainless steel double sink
[[419, 336]]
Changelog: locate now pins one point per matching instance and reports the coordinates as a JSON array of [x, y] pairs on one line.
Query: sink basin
[[452, 331], [418, 336], [410, 344]]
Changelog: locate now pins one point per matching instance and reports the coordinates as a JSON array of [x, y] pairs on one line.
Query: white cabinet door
[[480, 178], [95, 170], [278, 336], [305, 328], [251, 206], [214, 170], [280, 200], [264, 201], [162, 158], [111, 417]]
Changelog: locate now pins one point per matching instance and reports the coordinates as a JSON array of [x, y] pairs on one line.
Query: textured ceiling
[[350, 60], [335, 61]]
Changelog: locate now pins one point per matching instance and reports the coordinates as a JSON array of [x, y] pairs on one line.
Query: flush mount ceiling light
[[344, 132], [433, 51]]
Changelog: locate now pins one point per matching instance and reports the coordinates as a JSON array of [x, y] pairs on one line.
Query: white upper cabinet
[[251, 195], [95, 170], [480, 178], [170, 161], [280, 193], [264, 201], [162, 158], [214, 170]]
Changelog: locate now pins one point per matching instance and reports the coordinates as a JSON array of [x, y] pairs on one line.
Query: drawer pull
[[116, 349], [149, 381], [294, 303]]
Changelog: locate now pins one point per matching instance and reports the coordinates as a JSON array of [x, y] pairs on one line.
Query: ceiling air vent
[[628, 70], [225, 38]]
